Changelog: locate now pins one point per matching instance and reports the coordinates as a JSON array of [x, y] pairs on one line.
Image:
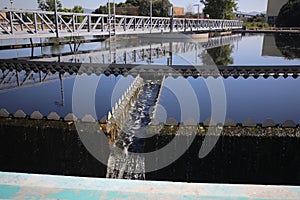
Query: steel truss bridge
[[32, 24]]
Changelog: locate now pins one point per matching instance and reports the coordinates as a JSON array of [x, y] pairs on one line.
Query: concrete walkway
[[32, 186]]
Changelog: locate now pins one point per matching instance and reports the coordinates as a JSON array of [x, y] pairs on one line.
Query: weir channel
[[131, 122]]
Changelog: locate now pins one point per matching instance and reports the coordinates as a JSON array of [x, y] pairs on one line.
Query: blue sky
[[244, 5]]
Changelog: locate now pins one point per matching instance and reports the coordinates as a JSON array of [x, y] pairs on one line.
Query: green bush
[[256, 25]]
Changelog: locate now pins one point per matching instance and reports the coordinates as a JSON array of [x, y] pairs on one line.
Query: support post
[[32, 47], [56, 18], [172, 20], [114, 9], [11, 22], [21, 21], [125, 23], [73, 23], [89, 23], [171, 14], [198, 16], [170, 59], [150, 16], [35, 23], [108, 19], [18, 78], [42, 25], [62, 89], [102, 24]]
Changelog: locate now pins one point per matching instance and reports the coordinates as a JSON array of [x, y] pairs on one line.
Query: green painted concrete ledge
[[33, 186]]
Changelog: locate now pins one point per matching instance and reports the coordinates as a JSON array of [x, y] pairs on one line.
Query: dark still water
[[258, 99]]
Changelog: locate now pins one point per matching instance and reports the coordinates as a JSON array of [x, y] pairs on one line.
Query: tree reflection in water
[[289, 45], [220, 55]]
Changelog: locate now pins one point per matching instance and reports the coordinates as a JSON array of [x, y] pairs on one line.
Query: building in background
[[2, 18], [273, 9], [178, 11], [243, 16]]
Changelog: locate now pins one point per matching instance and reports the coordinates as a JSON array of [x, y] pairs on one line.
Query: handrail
[[27, 24]]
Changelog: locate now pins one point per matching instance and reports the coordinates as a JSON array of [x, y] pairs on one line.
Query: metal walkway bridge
[[32, 24]]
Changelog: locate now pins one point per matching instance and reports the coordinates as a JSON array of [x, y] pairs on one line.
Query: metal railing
[[28, 24]]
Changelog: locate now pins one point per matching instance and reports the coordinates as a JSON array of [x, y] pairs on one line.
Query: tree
[[219, 9], [160, 7], [75, 9], [48, 5], [103, 9], [289, 14], [133, 3], [144, 7]]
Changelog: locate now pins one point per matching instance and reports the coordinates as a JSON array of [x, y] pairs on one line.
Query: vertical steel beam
[[125, 23], [35, 23], [11, 21], [21, 21], [56, 18], [102, 24], [134, 24], [150, 16], [108, 19], [172, 20], [89, 23], [114, 10], [73, 23]]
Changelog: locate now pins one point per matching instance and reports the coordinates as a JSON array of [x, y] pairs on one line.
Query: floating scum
[[122, 100]]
